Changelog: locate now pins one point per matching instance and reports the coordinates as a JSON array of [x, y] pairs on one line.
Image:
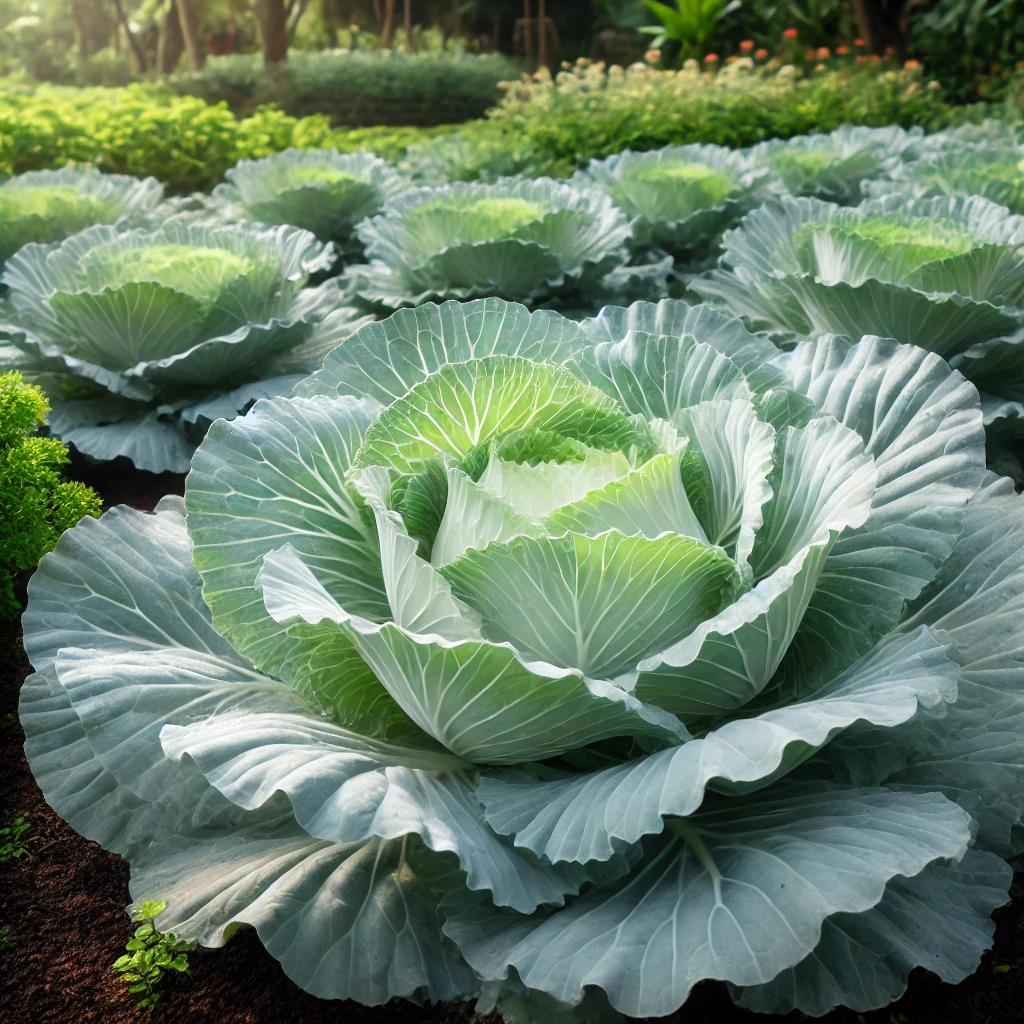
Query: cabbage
[[832, 167], [143, 336], [323, 191], [561, 665], [993, 171], [681, 198], [517, 239], [47, 206], [945, 273]]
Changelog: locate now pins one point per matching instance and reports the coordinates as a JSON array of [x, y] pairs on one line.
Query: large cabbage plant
[[529, 240], [47, 206], [681, 198], [563, 666], [321, 190], [142, 337], [944, 272], [834, 166]]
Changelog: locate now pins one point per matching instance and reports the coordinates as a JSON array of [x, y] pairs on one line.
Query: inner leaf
[[673, 190], [452, 221], [596, 604], [467, 404], [198, 271]]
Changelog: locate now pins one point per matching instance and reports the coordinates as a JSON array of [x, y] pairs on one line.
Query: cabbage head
[[945, 273], [833, 166], [681, 198], [563, 666], [321, 190], [47, 206], [143, 336], [529, 240]]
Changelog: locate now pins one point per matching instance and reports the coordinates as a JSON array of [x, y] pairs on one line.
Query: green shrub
[[358, 88], [182, 140], [36, 506], [591, 111]]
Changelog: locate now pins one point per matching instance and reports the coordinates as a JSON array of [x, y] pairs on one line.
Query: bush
[[36, 506], [358, 88], [591, 111], [182, 140]]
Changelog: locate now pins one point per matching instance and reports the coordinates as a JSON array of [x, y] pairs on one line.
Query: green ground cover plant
[[36, 505], [151, 955], [12, 845]]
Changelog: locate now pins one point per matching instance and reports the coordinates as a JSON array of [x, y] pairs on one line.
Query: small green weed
[[151, 954], [11, 845], [6, 942], [1001, 969]]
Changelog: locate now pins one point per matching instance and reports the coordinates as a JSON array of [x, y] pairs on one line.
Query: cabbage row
[[556, 661], [188, 310]]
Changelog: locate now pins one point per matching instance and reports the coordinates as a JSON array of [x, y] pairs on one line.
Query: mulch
[[64, 911]]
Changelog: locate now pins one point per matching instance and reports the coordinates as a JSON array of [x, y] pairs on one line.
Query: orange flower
[[746, 46], [790, 33], [711, 58], [761, 54], [873, 56], [842, 51], [652, 56], [823, 53], [861, 58], [858, 42], [809, 53], [912, 65]]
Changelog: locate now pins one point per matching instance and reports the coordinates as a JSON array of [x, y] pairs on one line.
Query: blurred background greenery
[[222, 49]]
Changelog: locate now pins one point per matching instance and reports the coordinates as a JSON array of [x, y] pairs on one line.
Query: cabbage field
[[583, 588]]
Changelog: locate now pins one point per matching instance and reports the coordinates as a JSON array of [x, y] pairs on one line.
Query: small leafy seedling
[[1001, 969], [151, 954], [6, 942], [11, 846]]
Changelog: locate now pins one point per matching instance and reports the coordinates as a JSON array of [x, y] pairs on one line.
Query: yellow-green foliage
[[36, 506], [591, 111], [182, 140]]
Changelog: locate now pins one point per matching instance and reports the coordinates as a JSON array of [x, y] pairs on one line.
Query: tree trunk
[[171, 44], [272, 21], [389, 23], [528, 29], [188, 18], [137, 51], [407, 18], [878, 23], [92, 26], [542, 34]]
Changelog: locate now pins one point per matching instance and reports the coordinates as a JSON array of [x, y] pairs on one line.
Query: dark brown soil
[[65, 914]]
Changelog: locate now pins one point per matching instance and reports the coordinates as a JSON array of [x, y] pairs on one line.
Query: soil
[[64, 911]]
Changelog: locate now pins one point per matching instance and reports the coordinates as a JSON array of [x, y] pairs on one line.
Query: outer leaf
[[737, 893], [587, 817], [352, 921], [940, 920], [347, 789]]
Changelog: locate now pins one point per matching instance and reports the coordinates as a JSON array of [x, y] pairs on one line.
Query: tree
[[188, 17], [170, 43], [272, 21], [882, 23]]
